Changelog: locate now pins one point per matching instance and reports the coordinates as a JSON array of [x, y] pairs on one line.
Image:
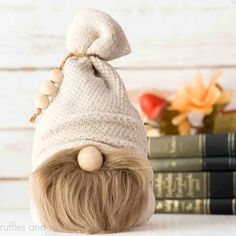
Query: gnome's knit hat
[[91, 106]]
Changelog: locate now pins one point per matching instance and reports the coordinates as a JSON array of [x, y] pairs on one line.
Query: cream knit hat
[[91, 106]]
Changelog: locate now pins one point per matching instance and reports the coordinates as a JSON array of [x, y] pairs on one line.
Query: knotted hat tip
[[96, 32]]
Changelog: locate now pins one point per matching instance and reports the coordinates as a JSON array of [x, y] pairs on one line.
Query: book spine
[[193, 164], [203, 145], [196, 206], [193, 185]]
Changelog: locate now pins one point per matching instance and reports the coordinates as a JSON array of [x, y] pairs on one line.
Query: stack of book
[[194, 174]]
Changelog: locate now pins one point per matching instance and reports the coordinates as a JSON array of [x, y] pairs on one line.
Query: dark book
[[193, 164], [196, 206], [202, 145], [194, 185]]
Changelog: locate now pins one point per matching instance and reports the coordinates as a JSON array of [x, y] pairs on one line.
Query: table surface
[[19, 222]]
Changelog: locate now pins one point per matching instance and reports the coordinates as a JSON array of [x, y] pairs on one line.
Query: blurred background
[[170, 40]]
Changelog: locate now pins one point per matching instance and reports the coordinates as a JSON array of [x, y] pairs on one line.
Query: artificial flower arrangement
[[194, 108]]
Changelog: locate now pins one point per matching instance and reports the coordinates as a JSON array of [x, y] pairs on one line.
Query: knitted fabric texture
[[89, 109], [91, 106]]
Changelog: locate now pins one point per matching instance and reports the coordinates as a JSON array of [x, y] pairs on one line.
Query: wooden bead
[[56, 76], [90, 158], [41, 101], [48, 88]]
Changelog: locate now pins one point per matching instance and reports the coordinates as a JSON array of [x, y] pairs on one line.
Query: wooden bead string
[[49, 88]]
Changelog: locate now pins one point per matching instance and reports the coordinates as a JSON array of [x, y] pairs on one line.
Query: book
[[193, 164], [225, 122], [196, 206], [177, 185], [202, 145]]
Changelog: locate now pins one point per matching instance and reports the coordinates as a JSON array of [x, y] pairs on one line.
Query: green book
[[202, 145], [196, 206], [193, 164], [178, 185]]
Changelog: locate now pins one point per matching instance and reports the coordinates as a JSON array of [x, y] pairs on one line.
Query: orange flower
[[199, 98]]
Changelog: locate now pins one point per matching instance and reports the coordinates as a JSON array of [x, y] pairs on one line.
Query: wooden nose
[[90, 158]]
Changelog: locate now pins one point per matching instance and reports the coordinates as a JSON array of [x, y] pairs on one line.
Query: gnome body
[[91, 108]]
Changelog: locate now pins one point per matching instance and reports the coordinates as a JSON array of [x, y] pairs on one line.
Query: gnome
[[90, 168]]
